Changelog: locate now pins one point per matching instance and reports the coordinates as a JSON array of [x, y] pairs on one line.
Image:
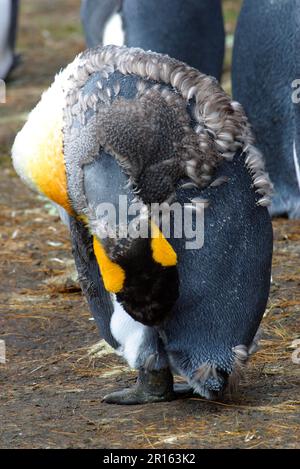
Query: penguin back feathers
[[160, 119]]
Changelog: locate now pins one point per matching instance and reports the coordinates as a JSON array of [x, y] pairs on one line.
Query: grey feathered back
[[201, 124]]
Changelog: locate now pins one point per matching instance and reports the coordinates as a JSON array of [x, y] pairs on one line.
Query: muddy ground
[[50, 388]]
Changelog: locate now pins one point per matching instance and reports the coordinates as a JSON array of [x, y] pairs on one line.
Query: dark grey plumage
[[265, 66], [191, 31]]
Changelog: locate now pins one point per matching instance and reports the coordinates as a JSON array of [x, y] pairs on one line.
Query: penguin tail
[[213, 382], [212, 379], [262, 184]]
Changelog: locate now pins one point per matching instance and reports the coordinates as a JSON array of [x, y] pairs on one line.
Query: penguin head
[[150, 289], [143, 275]]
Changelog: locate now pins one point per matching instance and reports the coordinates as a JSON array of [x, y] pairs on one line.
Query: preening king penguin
[[123, 122], [266, 71]]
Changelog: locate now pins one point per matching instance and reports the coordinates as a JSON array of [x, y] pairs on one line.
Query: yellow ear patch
[[112, 274], [162, 251]]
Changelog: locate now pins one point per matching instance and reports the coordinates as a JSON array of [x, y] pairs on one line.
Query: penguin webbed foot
[[151, 386]]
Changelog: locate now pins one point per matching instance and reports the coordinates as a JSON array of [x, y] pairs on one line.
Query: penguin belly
[[266, 67], [224, 285], [191, 31]]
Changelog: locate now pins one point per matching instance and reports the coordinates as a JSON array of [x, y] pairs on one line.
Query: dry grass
[[51, 386]]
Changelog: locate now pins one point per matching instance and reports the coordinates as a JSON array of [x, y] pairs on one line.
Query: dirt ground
[[50, 388]]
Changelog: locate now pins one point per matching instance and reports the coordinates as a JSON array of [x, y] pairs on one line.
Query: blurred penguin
[[8, 32], [191, 31], [266, 72]]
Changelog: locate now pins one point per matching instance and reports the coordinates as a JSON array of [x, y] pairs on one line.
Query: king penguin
[[121, 124], [191, 31], [266, 71], [8, 32]]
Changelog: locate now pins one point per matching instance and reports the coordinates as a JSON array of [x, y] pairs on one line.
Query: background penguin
[[95, 15], [191, 31], [117, 116], [265, 65], [8, 32]]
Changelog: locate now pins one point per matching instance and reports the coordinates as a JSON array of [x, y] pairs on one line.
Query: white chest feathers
[[128, 332]]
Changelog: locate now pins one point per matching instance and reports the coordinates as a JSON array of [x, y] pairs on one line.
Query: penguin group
[[265, 67], [121, 123]]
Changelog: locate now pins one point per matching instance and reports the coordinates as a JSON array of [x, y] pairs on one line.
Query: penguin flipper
[[98, 298]]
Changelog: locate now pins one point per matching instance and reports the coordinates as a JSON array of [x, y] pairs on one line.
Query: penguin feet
[[151, 386]]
